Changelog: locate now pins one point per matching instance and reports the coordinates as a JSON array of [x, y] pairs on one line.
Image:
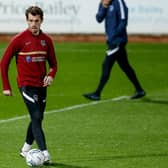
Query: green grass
[[107, 134]]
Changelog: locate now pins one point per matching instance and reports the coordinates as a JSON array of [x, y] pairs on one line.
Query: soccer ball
[[34, 158]]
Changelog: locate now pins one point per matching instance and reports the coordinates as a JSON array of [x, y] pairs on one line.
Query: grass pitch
[[106, 134]]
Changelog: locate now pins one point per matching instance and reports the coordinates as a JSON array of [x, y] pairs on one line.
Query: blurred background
[[114, 132], [77, 17]]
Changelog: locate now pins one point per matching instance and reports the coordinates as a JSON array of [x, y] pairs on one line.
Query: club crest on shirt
[[111, 8], [43, 42]]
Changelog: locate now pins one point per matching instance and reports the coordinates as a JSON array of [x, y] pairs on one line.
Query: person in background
[[32, 49], [115, 15]]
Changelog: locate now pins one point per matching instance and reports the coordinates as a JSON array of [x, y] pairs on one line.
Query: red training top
[[31, 53]]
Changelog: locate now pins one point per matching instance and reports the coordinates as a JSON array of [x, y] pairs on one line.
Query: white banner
[[148, 16], [78, 16]]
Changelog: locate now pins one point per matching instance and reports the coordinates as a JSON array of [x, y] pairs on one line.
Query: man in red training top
[[32, 49]]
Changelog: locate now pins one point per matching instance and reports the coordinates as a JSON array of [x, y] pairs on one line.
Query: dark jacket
[[116, 18]]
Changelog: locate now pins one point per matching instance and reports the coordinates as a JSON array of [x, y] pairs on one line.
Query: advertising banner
[[78, 16], [148, 17]]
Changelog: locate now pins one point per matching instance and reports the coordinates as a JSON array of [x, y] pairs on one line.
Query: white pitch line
[[67, 108], [86, 104]]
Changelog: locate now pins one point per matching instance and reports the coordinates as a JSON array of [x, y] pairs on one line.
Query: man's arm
[[5, 61], [123, 18], [101, 13], [48, 79], [4, 66]]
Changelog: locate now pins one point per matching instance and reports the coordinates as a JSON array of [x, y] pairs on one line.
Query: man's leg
[[35, 100], [123, 62], [106, 70]]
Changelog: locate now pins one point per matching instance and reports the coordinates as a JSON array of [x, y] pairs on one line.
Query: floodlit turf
[[106, 134]]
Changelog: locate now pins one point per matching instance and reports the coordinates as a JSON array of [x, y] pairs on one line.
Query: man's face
[[34, 23]]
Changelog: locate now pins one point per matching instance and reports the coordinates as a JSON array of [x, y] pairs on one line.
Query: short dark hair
[[34, 10]]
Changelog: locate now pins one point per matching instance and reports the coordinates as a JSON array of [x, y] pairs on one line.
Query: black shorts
[[35, 100]]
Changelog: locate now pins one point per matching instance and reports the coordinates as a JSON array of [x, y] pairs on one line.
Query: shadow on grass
[[61, 165], [119, 157], [105, 158], [149, 100]]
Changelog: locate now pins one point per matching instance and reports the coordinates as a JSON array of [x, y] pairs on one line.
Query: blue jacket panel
[[116, 18]]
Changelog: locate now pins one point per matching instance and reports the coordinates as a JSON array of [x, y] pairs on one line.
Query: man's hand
[[47, 81], [106, 3], [7, 93]]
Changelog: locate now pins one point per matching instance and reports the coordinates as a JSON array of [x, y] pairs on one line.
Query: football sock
[[26, 147]]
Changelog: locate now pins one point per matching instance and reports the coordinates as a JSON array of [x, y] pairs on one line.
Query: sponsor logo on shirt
[[35, 59], [38, 59]]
